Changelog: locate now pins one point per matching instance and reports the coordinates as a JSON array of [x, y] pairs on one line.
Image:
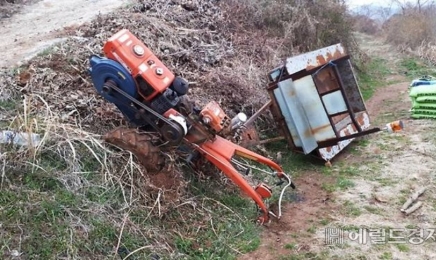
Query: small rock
[[15, 253]]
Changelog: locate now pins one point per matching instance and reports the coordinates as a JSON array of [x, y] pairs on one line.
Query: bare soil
[[310, 204], [33, 27]]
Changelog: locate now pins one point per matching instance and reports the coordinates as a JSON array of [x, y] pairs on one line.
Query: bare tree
[[418, 5], [402, 4], [367, 10], [385, 12]]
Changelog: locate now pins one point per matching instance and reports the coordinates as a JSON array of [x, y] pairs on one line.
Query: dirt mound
[[206, 42]]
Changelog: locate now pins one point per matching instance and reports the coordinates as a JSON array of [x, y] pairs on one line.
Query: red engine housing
[[151, 75]]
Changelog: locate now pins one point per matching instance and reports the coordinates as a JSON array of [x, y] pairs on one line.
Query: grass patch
[[44, 218], [351, 210], [415, 68], [349, 171], [373, 77], [311, 229], [324, 222], [403, 248], [386, 256], [344, 183], [385, 181], [373, 210], [328, 187], [307, 255], [294, 163], [8, 104], [290, 246]]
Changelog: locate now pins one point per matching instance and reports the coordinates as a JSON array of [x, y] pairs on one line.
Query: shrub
[[364, 24], [297, 26], [409, 30]]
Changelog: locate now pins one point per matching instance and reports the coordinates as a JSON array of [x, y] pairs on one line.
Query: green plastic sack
[[426, 99], [423, 90]]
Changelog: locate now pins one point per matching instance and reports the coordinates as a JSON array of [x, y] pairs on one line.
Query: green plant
[[414, 68], [403, 248], [344, 183], [373, 77], [386, 256]]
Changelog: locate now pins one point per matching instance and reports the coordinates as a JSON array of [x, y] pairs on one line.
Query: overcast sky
[[356, 3]]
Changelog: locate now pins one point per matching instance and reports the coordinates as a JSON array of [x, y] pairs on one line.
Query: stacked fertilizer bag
[[423, 95]]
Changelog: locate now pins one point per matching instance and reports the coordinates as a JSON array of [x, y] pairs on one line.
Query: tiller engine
[[154, 101]]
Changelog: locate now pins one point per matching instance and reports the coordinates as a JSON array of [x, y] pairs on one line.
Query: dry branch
[[413, 208], [412, 199]]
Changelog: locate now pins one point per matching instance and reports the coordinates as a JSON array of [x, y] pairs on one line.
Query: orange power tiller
[[154, 100]]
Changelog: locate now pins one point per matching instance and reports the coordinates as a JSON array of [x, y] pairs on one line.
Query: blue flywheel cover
[[104, 69]]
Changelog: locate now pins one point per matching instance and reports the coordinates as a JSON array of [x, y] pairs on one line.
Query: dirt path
[[380, 172], [34, 27]]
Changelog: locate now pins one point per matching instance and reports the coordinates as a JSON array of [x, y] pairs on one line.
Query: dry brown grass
[[365, 24], [410, 30], [413, 32], [427, 51], [295, 26], [71, 143]]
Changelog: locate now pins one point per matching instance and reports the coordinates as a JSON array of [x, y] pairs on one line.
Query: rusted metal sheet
[[249, 137], [315, 58], [328, 153], [320, 101]]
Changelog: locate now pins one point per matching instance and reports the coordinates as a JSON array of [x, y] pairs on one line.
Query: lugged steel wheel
[[140, 144]]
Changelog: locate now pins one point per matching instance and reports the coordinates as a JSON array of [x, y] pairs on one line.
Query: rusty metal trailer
[[316, 103]]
